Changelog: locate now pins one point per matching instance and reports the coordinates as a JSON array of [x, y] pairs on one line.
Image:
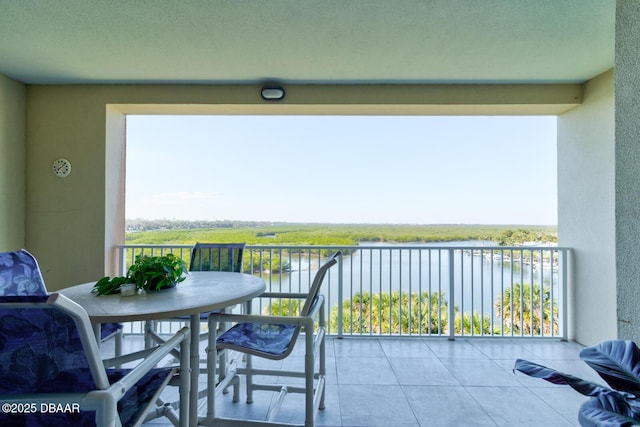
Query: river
[[479, 275]]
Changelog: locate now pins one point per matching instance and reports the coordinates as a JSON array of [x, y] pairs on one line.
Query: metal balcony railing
[[450, 290]]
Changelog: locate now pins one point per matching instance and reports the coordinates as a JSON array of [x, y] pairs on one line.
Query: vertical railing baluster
[[122, 261], [481, 254], [440, 331], [552, 315], [471, 316], [420, 292], [371, 255], [531, 291], [390, 292], [541, 293], [493, 294], [502, 292], [340, 295], [451, 319], [399, 291], [522, 304]]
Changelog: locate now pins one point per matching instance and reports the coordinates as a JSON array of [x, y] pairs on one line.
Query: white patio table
[[200, 292]]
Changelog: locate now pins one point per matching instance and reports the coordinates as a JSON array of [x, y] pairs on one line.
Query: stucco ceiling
[[306, 41]]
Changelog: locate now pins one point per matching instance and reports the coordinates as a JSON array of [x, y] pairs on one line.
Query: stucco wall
[[12, 164], [586, 220], [627, 131]]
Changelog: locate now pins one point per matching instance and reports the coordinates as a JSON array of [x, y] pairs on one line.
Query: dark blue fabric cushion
[[20, 274], [268, 338], [108, 329], [41, 352], [130, 407], [134, 402]]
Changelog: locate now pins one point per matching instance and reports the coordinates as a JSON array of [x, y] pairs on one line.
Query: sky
[[343, 169]]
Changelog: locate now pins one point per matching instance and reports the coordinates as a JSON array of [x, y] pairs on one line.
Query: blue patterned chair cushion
[[130, 407], [108, 329], [135, 401], [20, 275], [41, 352], [267, 338]]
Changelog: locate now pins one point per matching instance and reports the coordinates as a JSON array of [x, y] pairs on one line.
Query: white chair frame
[[314, 387], [104, 399]]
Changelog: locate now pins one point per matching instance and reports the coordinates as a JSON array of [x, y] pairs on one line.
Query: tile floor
[[430, 382]]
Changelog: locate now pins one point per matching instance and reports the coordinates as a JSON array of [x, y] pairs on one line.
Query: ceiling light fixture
[[272, 93]]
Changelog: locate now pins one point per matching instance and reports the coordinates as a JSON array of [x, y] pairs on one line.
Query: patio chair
[[51, 373], [274, 337], [217, 257], [20, 275]]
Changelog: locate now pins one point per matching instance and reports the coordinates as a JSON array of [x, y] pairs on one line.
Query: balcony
[[452, 372]]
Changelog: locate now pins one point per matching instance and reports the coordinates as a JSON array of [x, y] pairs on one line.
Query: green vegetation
[[272, 263], [254, 233], [520, 305], [389, 313], [428, 314]]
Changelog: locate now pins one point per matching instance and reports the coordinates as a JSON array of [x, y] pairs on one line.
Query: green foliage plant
[[148, 273], [618, 364], [153, 273], [108, 285]]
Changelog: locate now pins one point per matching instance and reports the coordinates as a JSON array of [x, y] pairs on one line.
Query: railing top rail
[[377, 246], [149, 245]]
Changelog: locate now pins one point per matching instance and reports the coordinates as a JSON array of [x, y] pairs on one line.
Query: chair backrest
[[312, 296], [317, 283], [217, 257], [20, 274], [274, 341], [48, 346]]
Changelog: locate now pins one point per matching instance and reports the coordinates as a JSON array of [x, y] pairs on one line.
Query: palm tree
[[466, 324], [520, 317], [392, 313]]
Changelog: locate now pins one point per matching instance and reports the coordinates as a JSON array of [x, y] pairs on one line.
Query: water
[[479, 275]]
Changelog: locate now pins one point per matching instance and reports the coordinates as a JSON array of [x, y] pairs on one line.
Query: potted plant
[[618, 363], [153, 273], [148, 273]]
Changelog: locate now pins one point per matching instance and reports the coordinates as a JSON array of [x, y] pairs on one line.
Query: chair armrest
[[129, 357], [121, 387], [266, 319], [283, 295], [255, 318]]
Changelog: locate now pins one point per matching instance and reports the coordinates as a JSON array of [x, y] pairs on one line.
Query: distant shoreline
[[282, 233], [191, 224]]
